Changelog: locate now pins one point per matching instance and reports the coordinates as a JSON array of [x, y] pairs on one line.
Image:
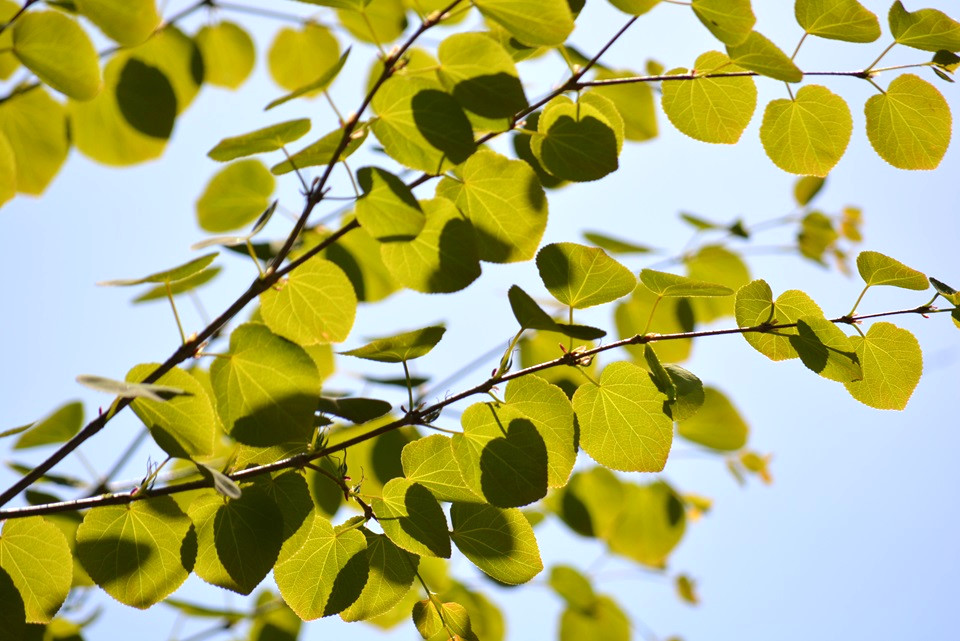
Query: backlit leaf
[[57, 427], [615, 245], [388, 209], [577, 141], [501, 454], [604, 620], [442, 621], [321, 152], [715, 110], [573, 587], [909, 125], [35, 556], [719, 265], [807, 135], [326, 574], [8, 62], [825, 349], [128, 23], [354, 409], [8, 170], [635, 102], [668, 285], [650, 524], [671, 316], [504, 202], [549, 409], [530, 316], [622, 424], [758, 53], [172, 275], [298, 56], [138, 553], [406, 346], [318, 84], [581, 276], [184, 426], [927, 29], [235, 196], [590, 503], [718, 425], [731, 21], [444, 255], [430, 462], [755, 307], [806, 189], [57, 49], [532, 22], [411, 517], [175, 288], [35, 127], [238, 540], [689, 392], [499, 542], [846, 20], [392, 572], [266, 139], [228, 54], [635, 7], [375, 22], [877, 269], [892, 364]]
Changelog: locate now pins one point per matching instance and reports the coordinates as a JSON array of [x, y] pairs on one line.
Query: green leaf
[[501, 454], [297, 57], [892, 365], [955, 315], [604, 620], [355, 410], [806, 189], [846, 20], [35, 127], [421, 126], [615, 245], [58, 50], [635, 7], [57, 427], [946, 291], [909, 126], [581, 276], [228, 54], [442, 621], [266, 139], [718, 425], [292, 496], [578, 141], [689, 393], [877, 269], [504, 202], [671, 316], [179, 287], [730, 21], [411, 517], [758, 53], [499, 542], [36, 559], [138, 553], [622, 424], [406, 346], [650, 524], [927, 29], [8, 170], [636, 104], [327, 574], [274, 621], [321, 152], [388, 209], [590, 503], [127, 23], [444, 256], [183, 426], [153, 392], [755, 307], [172, 275], [8, 62], [267, 389], [573, 587], [235, 196], [237, 540], [223, 484], [482, 77], [721, 266], [659, 374], [807, 135], [816, 236], [825, 349], [548, 408], [392, 571], [532, 22], [430, 462], [523, 150], [314, 86], [670, 285], [375, 22], [946, 61], [530, 316], [315, 304], [715, 110]]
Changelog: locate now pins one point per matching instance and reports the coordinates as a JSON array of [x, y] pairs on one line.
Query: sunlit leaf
[[650, 524], [635, 102], [316, 85], [604, 620], [297, 57], [36, 558], [731, 21], [128, 23], [590, 503], [877, 269], [635, 7], [581, 276], [35, 128], [57, 49], [266, 139], [927, 29], [671, 316], [573, 587], [430, 462], [57, 427], [138, 553], [171, 275], [548, 408], [806, 189], [719, 265], [715, 110], [228, 54], [321, 152], [392, 572], [499, 542], [670, 285], [530, 316], [892, 364], [909, 125], [8, 62], [622, 424], [412, 518], [388, 210], [375, 22], [442, 621], [315, 304], [809, 134], [838, 20], [183, 426], [615, 245], [532, 22], [758, 53], [578, 141], [235, 196], [182, 286], [223, 484], [406, 346], [717, 425]]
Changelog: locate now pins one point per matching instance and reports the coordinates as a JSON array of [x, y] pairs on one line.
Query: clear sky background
[[856, 538]]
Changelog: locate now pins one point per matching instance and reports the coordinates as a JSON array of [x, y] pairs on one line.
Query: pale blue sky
[[856, 537]]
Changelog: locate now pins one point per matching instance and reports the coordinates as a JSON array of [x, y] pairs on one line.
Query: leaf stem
[[857, 304], [799, 44], [880, 57], [176, 315], [653, 309], [406, 373]]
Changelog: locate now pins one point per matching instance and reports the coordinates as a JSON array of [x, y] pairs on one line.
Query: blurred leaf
[[615, 245], [573, 587], [401, 347], [266, 139], [57, 427], [605, 621], [730, 21], [35, 128], [532, 22], [717, 425], [297, 57], [228, 54], [650, 524], [172, 275], [158, 393], [128, 23], [58, 50], [806, 189], [319, 84], [182, 286], [235, 196]]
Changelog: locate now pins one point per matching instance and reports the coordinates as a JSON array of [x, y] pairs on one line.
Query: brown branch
[[416, 417], [14, 17]]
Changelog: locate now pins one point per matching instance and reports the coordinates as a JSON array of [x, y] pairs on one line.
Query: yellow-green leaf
[[758, 53], [806, 189], [235, 196], [649, 525], [388, 209], [532, 22], [755, 307], [877, 269], [581, 276], [809, 134], [717, 425], [731, 21], [57, 427], [315, 304], [392, 572], [603, 620], [8, 170], [909, 125], [671, 316], [634, 101], [128, 23], [892, 365], [412, 518], [669, 285], [57, 49], [400, 347], [299, 56], [35, 126], [430, 462], [715, 110], [138, 553], [320, 83], [228, 54], [578, 141], [321, 152], [8, 61], [635, 7], [36, 557], [548, 408], [183, 426], [927, 29], [499, 542], [825, 349], [377, 22], [180, 272], [266, 139], [846, 20]]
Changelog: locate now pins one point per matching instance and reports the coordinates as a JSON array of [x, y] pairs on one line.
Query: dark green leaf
[[355, 410], [411, 517], [499, 542]]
